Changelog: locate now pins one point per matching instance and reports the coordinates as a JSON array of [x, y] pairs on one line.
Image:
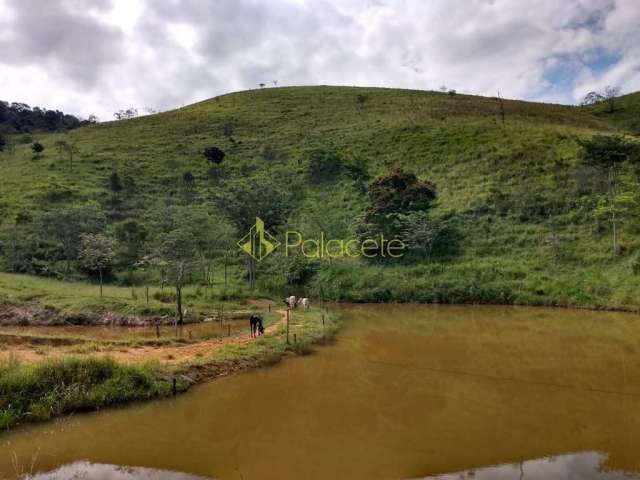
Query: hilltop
[[521, 217]]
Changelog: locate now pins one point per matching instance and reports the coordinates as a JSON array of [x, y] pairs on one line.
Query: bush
[[43, 390], [325, 164], [214, 155]]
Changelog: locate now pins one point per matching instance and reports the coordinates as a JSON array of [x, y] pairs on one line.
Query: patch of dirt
[[169, 354]]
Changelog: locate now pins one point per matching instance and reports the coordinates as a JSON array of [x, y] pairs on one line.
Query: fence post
[[287, 326]]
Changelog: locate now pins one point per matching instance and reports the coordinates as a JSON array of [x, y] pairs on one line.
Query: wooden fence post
[[287, 326]]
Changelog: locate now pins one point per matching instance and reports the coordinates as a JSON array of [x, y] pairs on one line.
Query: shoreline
[[96, 380]]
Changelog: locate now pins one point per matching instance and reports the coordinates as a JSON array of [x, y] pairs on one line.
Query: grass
[[40, 391], [75, 297], [48, 388], [523, 210]]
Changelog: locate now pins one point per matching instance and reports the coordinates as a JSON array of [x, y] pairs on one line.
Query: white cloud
[[103, 55]]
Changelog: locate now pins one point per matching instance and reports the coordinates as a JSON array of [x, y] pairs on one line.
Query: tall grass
[[39, 391]]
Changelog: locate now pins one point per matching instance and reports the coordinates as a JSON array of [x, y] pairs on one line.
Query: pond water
[[406, 391], [211, 329]]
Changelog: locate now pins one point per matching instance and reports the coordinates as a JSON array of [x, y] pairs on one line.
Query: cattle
[[291, 301], [304, 302], [255, 323]]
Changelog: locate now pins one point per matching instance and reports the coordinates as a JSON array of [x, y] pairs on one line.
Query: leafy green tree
[[392, 195], [96, 253], [37, 148], [131, 236], [262, 197], [179, 236], [66, 226], [606, 154]]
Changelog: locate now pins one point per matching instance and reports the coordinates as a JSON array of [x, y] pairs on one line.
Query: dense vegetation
[[497, 201], [42, 390], [32, 392], [19, 117]]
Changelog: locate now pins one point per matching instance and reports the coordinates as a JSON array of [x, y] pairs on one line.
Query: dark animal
[[255, 322], [260, 328]]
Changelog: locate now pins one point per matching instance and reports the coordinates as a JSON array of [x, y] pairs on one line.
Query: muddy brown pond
[[405, 392]]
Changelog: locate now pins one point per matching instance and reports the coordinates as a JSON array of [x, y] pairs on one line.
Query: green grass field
[[523, 209]]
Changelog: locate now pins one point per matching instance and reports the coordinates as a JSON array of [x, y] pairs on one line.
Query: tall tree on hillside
[[180, 236], [96, 253], [610, 94], [68, 148], [248, 199], [394, 199], [607, 154], [131, 236], [67, 225]]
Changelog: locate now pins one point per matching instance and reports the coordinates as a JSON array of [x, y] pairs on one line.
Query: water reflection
[[578, 466], [97, 471]]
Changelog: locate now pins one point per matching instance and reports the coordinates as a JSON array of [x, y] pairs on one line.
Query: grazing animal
[[260, 328], [304, 302], [290, 301], [255, 322]]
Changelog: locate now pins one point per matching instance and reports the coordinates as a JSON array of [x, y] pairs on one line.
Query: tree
[[610, 94], [180, 235], [214, 155], [130, 112], [391, 198], [262, 197], [65, 147], [3, 141], [70, 149], [65, 227], [591, 98], [96, 253], [37, 149], [131, 236], [606, 154]]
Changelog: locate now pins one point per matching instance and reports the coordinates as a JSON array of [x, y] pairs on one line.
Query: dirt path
[[167, 354]]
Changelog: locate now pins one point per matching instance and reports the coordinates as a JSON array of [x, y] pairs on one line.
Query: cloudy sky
[[97, 56]]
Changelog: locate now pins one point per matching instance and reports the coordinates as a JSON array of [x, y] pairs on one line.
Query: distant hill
[[523, 217]]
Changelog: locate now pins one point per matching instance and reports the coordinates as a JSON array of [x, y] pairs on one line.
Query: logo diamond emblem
[[258, 243]]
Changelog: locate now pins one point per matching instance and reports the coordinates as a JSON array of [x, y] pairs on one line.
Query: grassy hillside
[[521, 212]]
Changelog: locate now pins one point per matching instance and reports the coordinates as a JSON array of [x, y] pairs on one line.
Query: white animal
[[290, 301], [304, 302]]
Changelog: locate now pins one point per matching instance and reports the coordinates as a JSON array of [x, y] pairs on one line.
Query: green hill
[[521, 218]]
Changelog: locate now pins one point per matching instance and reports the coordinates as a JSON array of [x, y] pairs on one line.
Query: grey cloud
[[61, 36], [477, 46]]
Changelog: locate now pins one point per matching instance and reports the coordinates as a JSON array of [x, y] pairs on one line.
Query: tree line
[[19, 117]]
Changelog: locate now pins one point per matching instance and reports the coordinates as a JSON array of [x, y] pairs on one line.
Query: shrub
[[325, 164]]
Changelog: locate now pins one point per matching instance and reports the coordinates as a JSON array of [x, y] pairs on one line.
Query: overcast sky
[[97, 56]]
